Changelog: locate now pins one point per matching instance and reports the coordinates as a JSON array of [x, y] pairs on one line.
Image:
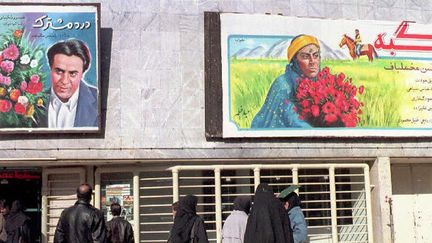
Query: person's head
[[304, 55], [291, 200], [263, 187], [174, 208], [263, 195], [357, 31], [16, 206], [115, 209], [187, 204], [181, 230], [68, 61], [4, 207], [242, 203], [84, 192]]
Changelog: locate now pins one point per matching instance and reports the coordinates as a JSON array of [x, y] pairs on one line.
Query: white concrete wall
[[156, 85], [380, 175]]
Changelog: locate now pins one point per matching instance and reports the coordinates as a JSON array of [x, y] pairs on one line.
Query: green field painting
[[384, 96]]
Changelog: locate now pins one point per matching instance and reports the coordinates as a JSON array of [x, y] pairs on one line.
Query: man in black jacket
[[119, 230], [81, 223]]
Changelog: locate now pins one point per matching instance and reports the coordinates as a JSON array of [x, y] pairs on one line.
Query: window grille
[[156, 198], [335, 197]]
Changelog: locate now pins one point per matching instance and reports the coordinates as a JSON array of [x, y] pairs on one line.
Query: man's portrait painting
[[49, 68], [300, 77]]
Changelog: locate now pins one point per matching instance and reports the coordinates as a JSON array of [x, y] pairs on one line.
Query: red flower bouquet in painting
[[23, 98], [329, 101]]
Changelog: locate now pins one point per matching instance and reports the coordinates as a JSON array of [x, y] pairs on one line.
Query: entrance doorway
[[412, 197], [24, 185]]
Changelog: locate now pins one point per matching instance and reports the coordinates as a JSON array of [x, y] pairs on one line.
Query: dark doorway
[[24, 184]]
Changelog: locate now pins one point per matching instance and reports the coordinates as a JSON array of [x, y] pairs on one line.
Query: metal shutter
[[58, 192]]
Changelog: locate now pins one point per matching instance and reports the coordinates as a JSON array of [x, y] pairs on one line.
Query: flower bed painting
[[325, 78], [22, 97], [49, 68]]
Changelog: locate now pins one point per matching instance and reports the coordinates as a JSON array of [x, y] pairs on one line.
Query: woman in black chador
[[267, 222], [188, 226]]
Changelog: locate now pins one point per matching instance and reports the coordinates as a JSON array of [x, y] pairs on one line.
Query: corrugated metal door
[[58, 192]]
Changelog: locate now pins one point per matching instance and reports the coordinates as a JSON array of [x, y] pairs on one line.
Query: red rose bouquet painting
[[329, 101], [23, 97]]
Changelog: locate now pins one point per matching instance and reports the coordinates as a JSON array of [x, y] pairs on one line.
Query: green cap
[[288, 190]]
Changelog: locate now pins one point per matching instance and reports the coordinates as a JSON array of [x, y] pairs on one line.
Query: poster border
[[320, 133], [82, 130]]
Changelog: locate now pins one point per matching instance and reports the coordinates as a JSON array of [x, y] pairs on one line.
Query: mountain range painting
[[254, 47]]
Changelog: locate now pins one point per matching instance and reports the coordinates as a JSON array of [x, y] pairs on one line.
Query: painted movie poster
[[121, 194], [49, 70], [300, 77]]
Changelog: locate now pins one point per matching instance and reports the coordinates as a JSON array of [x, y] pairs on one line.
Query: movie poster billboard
[[49, 68], [121, 194], [301, 77]]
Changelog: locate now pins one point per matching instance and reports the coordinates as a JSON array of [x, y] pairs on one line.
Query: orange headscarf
[[298, 43]]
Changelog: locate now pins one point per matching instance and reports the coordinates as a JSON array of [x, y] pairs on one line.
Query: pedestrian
[[292, 204], [235, 225], [267, 222], [17, 225], [81, 223], [174, 209], [119, 230], [5, 210], [3, 234], [188, 226]]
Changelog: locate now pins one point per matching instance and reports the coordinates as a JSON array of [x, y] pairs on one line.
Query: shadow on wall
[[105, 65]]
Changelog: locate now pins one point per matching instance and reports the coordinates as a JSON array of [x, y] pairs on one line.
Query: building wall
[[154, 78]]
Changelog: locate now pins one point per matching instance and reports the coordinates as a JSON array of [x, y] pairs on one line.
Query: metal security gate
[[58, 192], [335, 197]]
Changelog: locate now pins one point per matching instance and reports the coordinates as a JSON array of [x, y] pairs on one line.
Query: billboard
[[301, 77], [49, 68]]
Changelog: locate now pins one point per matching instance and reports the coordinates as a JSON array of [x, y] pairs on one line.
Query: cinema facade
[[166, 130], [359, 198]]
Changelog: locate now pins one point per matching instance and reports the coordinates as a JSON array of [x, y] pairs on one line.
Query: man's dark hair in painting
[[71, 47]]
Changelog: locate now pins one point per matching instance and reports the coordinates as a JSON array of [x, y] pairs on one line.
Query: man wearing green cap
[[292, 204], [278, 110]]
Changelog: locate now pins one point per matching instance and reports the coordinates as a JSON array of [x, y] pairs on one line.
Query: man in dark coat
[[17, 225], [119, 229], [81, 223]]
